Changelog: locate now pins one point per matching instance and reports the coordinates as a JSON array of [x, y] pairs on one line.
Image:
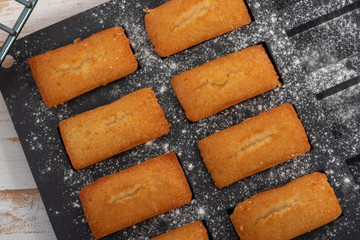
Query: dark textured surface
[[309, 63], [354, 165]]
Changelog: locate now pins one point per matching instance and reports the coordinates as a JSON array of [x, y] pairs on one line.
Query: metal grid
[[15, 31]]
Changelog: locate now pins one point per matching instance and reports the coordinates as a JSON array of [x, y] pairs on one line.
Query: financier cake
[[133, 195], [254, 145], [221, 83], [289, 211], [72, 70], [93, 136], [179, 24], [192, 231]]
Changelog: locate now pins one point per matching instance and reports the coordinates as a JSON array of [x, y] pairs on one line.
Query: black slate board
[[315, 48]]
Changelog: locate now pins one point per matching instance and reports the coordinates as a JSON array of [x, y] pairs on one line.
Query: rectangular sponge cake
[[221, 83], [98, 134], [72, 70], [254, 145], [133, 195], [192, 231], [289, 211], [179, 24]]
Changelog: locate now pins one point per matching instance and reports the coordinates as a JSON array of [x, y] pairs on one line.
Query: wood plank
[[23, 216], [14, 169], [44, 14]]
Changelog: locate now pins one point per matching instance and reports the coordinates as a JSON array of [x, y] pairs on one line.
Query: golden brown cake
[[219, 84], [192, 231], [72, 70], [179, 24], [254, 145], [93, 136], [130, 196], [289, 211]]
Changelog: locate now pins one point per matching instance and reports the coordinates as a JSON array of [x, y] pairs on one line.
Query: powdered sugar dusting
[[308, 63]]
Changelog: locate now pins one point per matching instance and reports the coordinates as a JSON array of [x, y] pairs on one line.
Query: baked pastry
[[179, 24], [69, 71], [289, 211], [120, 200], [93, 136], [221, 83], [254, 145], [192, 231]]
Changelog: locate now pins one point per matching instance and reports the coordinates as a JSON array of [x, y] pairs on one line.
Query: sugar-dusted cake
[[69, 71], [179, 24], [254, 145], [192, 231], [103, 132], [221, 83], [120, 200], [288, 211]]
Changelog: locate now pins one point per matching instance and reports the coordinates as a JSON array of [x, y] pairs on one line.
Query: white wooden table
[[22, 213]]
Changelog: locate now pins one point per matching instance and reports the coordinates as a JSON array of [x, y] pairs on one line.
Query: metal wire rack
[[14, 32]]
